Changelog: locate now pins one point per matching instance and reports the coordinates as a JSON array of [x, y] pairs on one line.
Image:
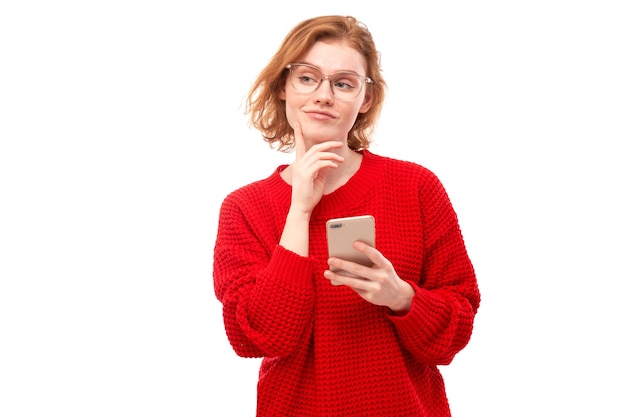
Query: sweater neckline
[[346, 195]]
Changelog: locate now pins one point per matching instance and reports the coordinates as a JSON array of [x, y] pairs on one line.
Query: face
[[322, 116]]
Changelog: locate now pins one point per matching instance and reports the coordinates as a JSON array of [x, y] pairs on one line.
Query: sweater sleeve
[[266, 291], [440, 321]]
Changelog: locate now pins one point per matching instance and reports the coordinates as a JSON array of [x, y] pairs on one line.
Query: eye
[[307, 79], [307, 76], [343, 85], [346, 81]]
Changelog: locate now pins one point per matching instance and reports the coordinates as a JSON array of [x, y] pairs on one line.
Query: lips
[[320, 115]]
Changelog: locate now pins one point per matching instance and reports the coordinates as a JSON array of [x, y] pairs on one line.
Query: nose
[[324, 92]]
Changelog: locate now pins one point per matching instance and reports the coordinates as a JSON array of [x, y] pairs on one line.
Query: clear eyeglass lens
[[345, 85]]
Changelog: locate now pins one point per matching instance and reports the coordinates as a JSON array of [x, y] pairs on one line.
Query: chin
[[318, 135]]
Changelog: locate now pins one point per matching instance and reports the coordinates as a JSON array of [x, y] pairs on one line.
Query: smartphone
[[342, 232]]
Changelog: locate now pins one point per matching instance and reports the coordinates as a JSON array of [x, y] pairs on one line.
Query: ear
[[282, 94], [367, 102]]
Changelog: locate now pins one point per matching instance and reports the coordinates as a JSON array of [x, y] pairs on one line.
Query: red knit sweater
[[328, 352]]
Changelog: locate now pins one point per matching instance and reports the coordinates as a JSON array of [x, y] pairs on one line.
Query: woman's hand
[[308, 171], [378, 284]]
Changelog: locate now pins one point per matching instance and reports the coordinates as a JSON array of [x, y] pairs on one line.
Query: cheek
[[292, 104], [291, 118], [351, 115]]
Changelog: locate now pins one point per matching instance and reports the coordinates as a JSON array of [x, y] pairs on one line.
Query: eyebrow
[[320, 70]]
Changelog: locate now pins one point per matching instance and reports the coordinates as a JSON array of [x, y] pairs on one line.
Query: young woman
[[366, 340]]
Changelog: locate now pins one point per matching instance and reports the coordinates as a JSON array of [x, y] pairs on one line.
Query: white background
[[122, 130]]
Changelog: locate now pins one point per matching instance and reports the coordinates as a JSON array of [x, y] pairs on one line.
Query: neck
[[338, 177]]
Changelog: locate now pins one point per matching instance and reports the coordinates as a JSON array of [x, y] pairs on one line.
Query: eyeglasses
[[345, 85]]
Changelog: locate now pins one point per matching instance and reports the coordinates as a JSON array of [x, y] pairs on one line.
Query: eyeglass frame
[[365, 80]]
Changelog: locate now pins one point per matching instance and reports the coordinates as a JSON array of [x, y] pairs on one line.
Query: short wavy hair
[[267, 111]]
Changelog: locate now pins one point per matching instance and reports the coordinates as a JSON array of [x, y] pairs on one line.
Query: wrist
[[295, 236], [404, 302], [297, 215]]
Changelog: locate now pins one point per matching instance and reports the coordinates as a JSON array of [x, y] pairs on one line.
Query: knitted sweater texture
[[326, 351]]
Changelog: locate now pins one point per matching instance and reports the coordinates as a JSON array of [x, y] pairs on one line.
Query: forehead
[[334, 56]]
